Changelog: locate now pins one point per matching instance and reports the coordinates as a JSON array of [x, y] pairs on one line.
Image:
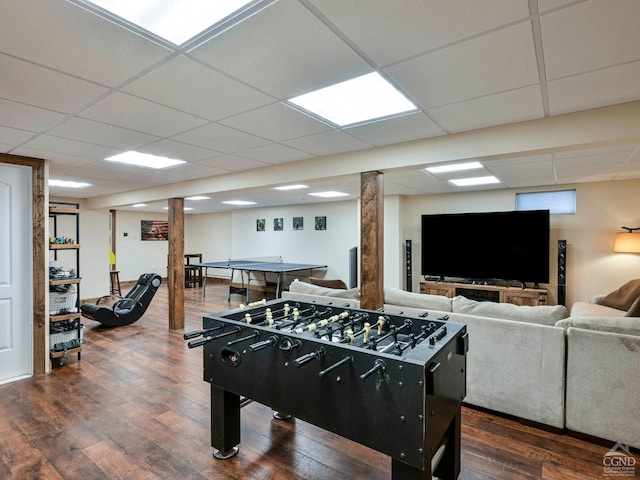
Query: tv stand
[[487, 293]]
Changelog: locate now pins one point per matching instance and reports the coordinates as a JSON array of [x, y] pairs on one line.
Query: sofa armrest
[[619, 325]]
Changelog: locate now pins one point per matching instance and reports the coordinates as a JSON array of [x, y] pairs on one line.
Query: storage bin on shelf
[[63, 302]]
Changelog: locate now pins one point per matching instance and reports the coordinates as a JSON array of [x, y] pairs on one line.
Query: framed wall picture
[[260, 223], [278, 224], [298, 223], [154, 230], [321, 223]]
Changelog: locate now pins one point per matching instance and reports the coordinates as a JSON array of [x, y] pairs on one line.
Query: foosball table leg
[[446, 458], [225, 423], [449, 465]]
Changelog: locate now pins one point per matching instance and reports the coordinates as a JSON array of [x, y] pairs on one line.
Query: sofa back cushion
[[307, 288], [395, 296], [543, 314]]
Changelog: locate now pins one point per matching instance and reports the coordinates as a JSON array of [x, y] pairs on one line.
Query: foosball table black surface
[[391, 382]]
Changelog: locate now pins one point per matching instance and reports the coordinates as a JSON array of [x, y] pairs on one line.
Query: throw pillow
[[623, 297], [634, 310]]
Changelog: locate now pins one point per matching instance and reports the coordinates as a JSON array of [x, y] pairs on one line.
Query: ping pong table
[[255, 266]]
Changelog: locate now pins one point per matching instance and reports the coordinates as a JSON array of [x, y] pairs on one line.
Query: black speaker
[[562, 272], [407, 255], [353, 267]]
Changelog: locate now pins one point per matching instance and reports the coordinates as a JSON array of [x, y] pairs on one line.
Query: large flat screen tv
[[511, 246]]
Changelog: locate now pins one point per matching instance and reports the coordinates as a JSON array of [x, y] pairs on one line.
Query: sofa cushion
[[588, 309], [543, 314], [623, 297], [303, 287], [395, 296]]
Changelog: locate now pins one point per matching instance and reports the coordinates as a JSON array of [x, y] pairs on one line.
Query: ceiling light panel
[[238, 202], [67, 184], [291, 187], [454, 167], [174, 20], [358, 100], [144, 160], [467, 182], [330, 194]]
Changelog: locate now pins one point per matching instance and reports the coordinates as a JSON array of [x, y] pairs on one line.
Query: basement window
[[558, 202]]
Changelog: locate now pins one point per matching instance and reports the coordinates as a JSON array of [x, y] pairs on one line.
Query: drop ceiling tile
[[498, 109], [588, 167], [182, 151], [328, 143], [14, 136], [276, 122], [545, 5], [37, 86], [524, 174], [25, 117], [419, 182], [600, 152], [395, 130], [590, 35], [233, 163], [495, 62], [59, 161], [141, 115], [70, 39], [275, 153], [183, 172], [64, 146], [284, 51], [416, 27], [187, 85], [575, 93], [220, 138], [89, 131]]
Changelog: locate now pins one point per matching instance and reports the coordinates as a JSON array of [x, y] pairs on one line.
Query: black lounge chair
[[128, 309]]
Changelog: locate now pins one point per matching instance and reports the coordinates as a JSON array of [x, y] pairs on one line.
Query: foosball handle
[[379, 365], [254, 347], [197, 333]]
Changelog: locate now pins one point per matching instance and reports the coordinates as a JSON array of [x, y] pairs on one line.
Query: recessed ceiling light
[[466, 182], [183, 208], [239, 202], [355, 101], [144, 160], [198, 197], [331, 194], [454, 167], [291, 187], [137, 205], [174, 20], [68, 184]]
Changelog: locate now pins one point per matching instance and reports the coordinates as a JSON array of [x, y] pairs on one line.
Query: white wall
[[208, 234], [134, 256], [94, 247], [330, 246], [592, 267]]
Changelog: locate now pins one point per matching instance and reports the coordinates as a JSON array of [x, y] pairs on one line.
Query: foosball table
[[393, 383]]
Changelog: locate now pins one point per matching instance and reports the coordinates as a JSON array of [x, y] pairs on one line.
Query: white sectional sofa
[[579, 372]]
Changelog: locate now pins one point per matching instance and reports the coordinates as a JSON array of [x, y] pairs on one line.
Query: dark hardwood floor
[[136, 407]]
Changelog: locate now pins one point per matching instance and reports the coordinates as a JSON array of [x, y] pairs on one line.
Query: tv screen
[[512, 246]]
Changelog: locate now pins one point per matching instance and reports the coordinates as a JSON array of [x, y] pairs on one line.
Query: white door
[[16, 282]]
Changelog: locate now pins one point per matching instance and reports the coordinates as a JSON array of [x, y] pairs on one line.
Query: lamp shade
[[627, 243]]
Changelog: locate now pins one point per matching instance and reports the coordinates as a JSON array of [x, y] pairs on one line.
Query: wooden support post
[[175, 275], [371, 240]]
